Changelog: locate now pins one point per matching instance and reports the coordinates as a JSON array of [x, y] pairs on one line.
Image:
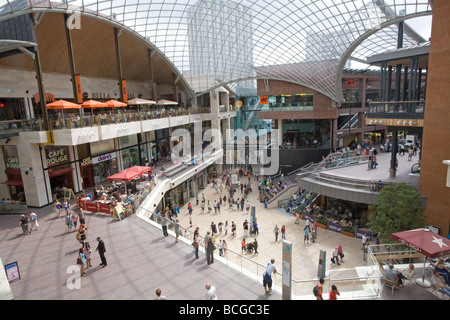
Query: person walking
[[307, 225], [159, 296], [267, 280], [220, 248], [82, 234], [334, 292], [34, 221], [319, 287], [67, 205], [210, 247], [283, 232], [225, 227], [255, 230], [335, 258], [341, 252], [69, 221], [176, 229], [101, 251], [87, 254], [58, 208], [276, 230], [255, 245], [306, 236], [196, 242], [81, 260], [233, 229], [74, 220], [164, 224], [25, 224], [211, 292]]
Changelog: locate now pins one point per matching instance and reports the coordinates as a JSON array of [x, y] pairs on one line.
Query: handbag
[[79, 261], [195, 244]]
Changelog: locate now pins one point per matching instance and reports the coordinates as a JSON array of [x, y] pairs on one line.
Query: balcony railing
[[407, 107], [287, 107], [77, 121]]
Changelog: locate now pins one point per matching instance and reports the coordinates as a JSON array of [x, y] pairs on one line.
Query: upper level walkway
[[356, 182]]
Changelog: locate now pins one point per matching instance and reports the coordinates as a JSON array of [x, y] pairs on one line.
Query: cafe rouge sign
[[57, 155]]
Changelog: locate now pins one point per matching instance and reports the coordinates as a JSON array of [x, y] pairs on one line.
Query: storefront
[[13, 173], [59, 168], [162, 143], [103, 160], [85, 162], [201, 180], [129, 151]]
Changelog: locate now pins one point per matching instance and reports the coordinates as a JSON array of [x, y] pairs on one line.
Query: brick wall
[[436, 131], [322, 104]]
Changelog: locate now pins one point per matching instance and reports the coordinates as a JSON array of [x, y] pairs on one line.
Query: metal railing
[[363, 282], [82, 121], [397, 107]]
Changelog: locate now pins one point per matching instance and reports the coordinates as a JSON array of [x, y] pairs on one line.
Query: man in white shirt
[[211, 293], [267, 280]]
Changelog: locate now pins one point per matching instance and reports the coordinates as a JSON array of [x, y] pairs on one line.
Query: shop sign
[[56, 156], [48, 97], [264, 100], [86, 162], [103, 157], [12, 163]]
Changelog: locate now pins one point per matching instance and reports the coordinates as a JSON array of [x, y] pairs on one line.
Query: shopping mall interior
[[272, 126]]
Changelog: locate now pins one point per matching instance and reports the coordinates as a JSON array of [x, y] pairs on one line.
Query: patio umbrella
[[62, 105], [424, 241], [164, 102], [129, 174], [93, 104], [115, 104], [140, 101]]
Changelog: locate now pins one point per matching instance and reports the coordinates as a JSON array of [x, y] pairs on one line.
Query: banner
[[124, 91], [264, 100], [334, 227], [79, 97]]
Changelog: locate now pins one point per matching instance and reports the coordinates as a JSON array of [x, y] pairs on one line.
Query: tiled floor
[[140, 259]]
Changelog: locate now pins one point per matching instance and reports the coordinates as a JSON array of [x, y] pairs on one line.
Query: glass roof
[[232, 43]]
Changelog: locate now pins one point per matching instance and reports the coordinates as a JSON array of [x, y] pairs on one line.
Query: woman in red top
[[334, 292]]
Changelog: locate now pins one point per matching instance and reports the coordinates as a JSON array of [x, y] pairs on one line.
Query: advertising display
[[12, 271]]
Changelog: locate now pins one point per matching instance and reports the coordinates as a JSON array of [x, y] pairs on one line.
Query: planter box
[[348, 234], [323, 226]]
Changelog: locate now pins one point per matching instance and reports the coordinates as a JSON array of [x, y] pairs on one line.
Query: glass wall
[[294, 102]]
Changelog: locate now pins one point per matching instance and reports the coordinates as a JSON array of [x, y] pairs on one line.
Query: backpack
[[316, 291]]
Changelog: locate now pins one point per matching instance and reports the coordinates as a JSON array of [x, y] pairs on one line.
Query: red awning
[[424, 241], [129, 174], [13, 182], [55, 173]]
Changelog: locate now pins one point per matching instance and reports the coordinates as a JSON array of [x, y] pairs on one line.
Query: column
[[77, 95], [123, 95]]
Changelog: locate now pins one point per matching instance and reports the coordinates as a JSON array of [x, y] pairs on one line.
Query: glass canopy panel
[[219, 42]]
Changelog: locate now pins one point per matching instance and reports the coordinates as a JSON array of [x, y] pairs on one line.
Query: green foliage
[[399, 208]]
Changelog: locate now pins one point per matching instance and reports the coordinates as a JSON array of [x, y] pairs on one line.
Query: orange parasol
[[115, 103], [62, 104], [93, 104]]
